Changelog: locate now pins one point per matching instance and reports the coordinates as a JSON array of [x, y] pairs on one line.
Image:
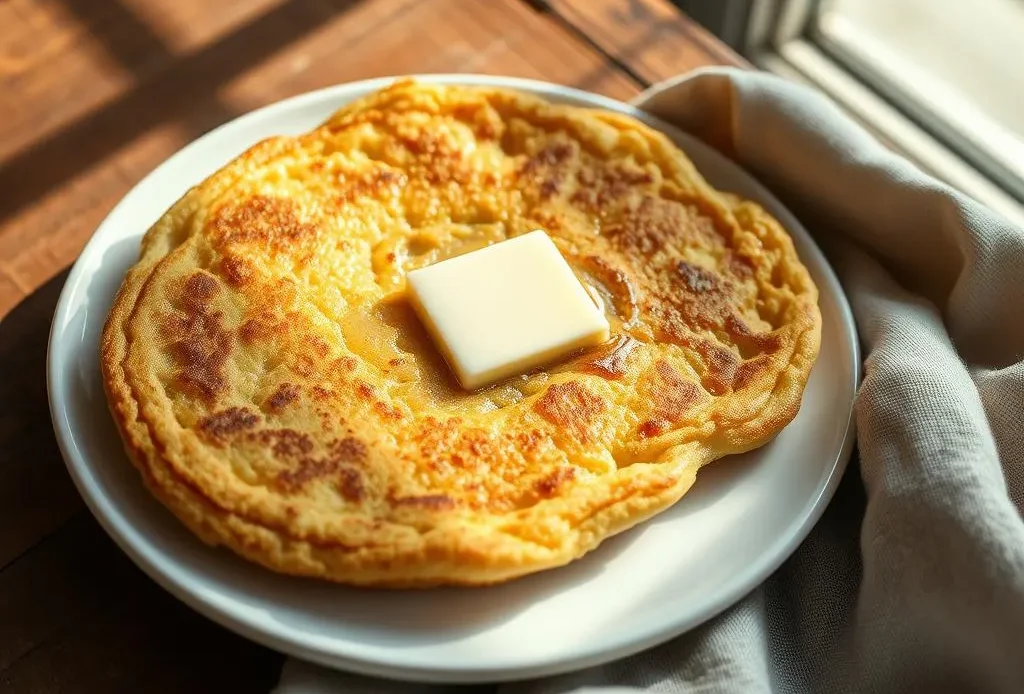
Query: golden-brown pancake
[[278, 394]]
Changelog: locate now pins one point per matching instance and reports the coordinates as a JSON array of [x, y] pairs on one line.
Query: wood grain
[[651, 39], [95, 94]]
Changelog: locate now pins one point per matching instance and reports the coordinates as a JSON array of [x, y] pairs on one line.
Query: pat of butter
[[505, 309]]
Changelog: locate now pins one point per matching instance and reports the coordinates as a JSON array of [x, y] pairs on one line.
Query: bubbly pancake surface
[[278, 394]]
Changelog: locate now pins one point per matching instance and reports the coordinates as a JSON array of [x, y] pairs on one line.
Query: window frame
[[924, 112], [782, 36]]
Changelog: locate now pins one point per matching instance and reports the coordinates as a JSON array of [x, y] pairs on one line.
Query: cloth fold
[[913, 580]]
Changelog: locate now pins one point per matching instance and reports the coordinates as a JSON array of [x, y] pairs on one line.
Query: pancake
[[276, 392]]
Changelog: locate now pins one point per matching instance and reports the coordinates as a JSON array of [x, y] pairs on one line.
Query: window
[[938, 80], [953, 65]]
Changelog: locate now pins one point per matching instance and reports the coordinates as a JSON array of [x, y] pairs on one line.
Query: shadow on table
[[36, 495], [176, 88]]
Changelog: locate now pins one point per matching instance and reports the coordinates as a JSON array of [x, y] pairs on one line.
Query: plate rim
[[290, 640]]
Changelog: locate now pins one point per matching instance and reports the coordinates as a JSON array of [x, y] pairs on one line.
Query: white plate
[[743, 517]]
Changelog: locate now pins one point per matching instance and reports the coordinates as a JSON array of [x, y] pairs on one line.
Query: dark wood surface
[[93, 95]]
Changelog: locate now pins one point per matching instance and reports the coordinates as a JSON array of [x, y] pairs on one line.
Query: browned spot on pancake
[[433, 502], [200, 344], [443, 170], [203, 354], [609, 361], [350, 484], [255, 329], [349, 449], [529, 442], [320, 393], [373, 184], [674, 395], [493, 458], [551, 156], [237, 271], [696, 279], [369, 393], [284, 395], [739, 265], [441, 161], [656, 224], [571, 407], [304, 365], [317, 345], [548, 169], [340, 457], [601, 186], [198, 290], [270, 222], [486, 130], [424, 141], [653, 427], [545, 220], [675, 297], [387, 411], [346, 363], [220, 426], [720, 364], [436, 440], [737, 327], [292, 443], [549, 485], [697, 299], [285, 443]]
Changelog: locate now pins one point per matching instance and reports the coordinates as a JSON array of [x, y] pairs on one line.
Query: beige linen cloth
[[913, 581]]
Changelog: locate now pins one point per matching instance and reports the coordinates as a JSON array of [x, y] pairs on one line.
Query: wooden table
[[93, 95]]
